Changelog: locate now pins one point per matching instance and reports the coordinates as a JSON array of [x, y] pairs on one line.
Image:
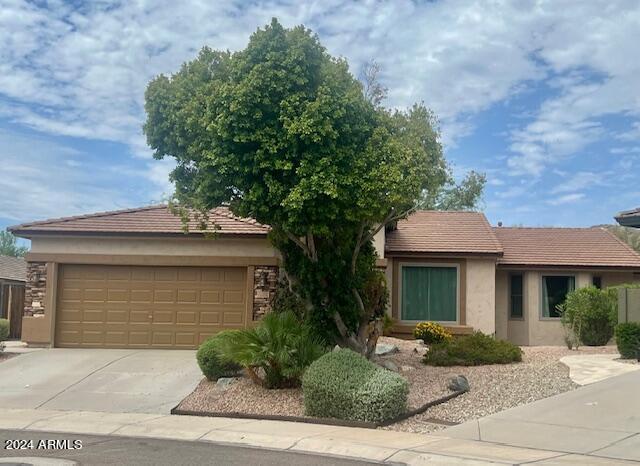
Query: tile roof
[[13, 268], [428, 231], [588, 247], [145, 220], [629, 218]]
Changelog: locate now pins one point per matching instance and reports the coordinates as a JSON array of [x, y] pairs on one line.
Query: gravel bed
[[493, 388]]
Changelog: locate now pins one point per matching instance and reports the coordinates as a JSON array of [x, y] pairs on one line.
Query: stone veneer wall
[[35, 288], [265, 283]]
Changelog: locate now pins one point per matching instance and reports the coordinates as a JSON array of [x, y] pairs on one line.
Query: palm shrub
[[4, 329], [472, 350], [276, 352], [212, 364], [592, 313], [431, 332], [628, 339]]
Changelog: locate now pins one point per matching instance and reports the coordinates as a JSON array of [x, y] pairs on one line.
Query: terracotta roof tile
[[13, 268], [444, 232], [153, 219], [589, 247]]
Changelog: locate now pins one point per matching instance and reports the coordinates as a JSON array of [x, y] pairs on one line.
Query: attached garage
[[147, 307], [134, 279]]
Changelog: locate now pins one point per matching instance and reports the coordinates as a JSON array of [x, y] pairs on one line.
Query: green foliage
[[9, 245], [4, 329], [431, 332], [387, 323], [631, 236], [212, 365], [344, 385], [472, 350], [287, 301], [592, 314], [465, 195], [275, 353], [283, 133], [628, 339]]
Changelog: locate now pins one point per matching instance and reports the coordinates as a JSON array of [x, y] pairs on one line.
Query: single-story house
[[629, 218], [134, 279], [13, 276]]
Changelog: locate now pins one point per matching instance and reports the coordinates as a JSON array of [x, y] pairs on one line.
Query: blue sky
[[544, 97]]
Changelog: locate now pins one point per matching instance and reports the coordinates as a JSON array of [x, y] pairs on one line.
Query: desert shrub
[[431, 332], [211, 363], [276, 352], [345, 385], [387, 324], [592, 314], [628, 339], [472, 350], [4, 329]]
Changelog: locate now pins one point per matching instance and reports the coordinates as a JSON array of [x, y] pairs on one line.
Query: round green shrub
[[592, 314], [628, 339], [212, 365], [473, 350], [4, 329], [345, 385]]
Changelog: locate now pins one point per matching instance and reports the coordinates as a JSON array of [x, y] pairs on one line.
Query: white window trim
[[541, 315], [401, 265]]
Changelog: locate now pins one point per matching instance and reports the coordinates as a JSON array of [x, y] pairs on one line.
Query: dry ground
[[493, 388]]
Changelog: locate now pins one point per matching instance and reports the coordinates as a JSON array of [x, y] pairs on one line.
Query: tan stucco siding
[[481, 295], [219, 247], [618, 278], [502, 305]]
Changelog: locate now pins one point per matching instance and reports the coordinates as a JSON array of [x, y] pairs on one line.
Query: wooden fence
[[12, 306]]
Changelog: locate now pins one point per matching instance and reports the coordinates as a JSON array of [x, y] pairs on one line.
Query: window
[[516, 299], [597, 282], [429, 293], [554, 292]]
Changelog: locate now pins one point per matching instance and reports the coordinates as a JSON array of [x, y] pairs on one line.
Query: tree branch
[[299, 242], [356, 250], [311, 245]]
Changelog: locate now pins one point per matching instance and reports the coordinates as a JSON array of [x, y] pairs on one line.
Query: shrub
[[592, 314], [276, 352], [345, 385], [628, 339], [4, 329], [430, 333], [472, 350], [387, 324], [212, 365]]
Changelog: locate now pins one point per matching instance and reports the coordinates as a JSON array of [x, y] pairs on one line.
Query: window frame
[[510, 308], [449, 265], [597, 278], [541, 315]]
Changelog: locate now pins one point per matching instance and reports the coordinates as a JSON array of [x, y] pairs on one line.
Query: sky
[[543, 97]]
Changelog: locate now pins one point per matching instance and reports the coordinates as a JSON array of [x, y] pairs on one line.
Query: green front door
[[429, 293]]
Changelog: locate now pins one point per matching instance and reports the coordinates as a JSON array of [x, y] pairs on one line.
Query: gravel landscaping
[[493, 388]]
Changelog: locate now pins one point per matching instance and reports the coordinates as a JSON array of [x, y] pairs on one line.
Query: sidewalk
[[376, 445]]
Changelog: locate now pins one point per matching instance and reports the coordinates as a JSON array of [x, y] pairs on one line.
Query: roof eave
[[143, 234]]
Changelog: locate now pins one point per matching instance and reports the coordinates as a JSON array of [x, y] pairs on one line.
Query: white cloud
[[566, 199], [580, 181]]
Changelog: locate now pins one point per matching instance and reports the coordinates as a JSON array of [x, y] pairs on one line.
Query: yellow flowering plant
[[431, 332]]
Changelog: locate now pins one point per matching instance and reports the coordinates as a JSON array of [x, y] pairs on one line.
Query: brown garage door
[[147, 307]]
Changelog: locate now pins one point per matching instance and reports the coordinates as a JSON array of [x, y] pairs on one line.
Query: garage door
[[147, 307]]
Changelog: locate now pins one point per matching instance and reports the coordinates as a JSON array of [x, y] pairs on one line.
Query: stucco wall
[[243, 247], [618, 278], [378, 243], [481, 295]]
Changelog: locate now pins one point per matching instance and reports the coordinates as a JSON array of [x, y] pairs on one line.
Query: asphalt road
[[113, 450]]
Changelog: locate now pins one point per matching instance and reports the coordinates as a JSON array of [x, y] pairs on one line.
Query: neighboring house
[[133, 278], [629, 218], [13, 275]]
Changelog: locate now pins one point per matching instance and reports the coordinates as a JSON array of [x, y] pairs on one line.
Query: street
[[104, 450]]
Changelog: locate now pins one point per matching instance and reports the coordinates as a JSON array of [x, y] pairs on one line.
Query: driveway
[[111, 380], [601, 420]]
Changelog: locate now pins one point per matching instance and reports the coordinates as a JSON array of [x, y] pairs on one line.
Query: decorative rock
[[383, 349], [389, 365], [406, 368], [419, 342], [459, 383], [336, 348], [223, 382]]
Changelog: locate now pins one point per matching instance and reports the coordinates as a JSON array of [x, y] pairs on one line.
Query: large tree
[[283, 133], [9, 245]]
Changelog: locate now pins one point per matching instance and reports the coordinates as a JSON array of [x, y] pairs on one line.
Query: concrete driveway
[[600, 420], [111, 380]]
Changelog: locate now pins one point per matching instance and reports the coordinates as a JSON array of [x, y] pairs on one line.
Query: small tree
[[9, 245], [283, 133]]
